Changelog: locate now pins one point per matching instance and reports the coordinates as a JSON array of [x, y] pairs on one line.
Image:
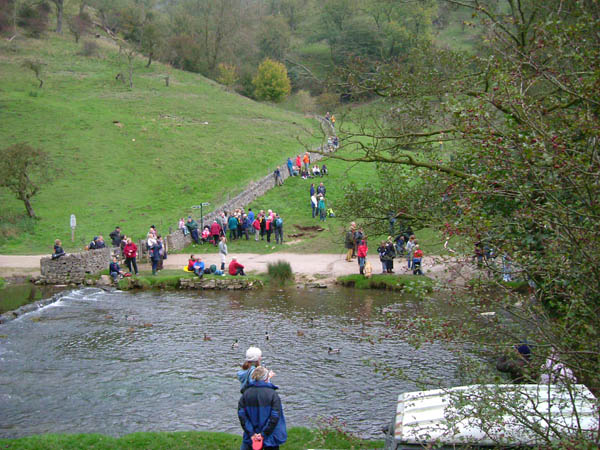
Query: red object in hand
[[257, 442]]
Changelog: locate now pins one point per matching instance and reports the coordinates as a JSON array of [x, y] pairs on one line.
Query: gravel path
[[318, 266]]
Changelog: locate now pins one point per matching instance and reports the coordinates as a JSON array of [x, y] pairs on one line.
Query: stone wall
[[177, 241], [73, 267]]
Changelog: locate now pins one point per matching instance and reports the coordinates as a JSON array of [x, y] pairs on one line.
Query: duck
[[267, 336], [235, 344], [300, 333], [333, 351], [207, 338]]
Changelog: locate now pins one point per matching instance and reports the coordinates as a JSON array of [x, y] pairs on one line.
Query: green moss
[[298, 438], [388, 282]]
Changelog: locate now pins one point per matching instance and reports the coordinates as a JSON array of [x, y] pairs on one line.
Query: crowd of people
[[238, 225], [404, 245]]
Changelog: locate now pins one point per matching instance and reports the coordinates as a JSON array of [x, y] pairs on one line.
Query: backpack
[[279, 222]]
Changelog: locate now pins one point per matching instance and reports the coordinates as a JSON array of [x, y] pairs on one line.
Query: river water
[[116, 362]]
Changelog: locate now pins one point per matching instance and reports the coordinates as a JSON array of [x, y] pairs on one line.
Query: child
[[253, 358], [361, 251], [191, 263], [58, 250], [114, 269], [417, 258]]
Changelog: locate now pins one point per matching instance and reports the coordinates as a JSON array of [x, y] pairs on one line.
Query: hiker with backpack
[[278, 229]]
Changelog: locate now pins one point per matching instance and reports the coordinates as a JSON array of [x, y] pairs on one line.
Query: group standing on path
[[404, 245]]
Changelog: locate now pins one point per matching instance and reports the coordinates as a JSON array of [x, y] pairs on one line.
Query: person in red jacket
[[235, 268], [215, 231], [361, 252], [130, 252], [417, 258]]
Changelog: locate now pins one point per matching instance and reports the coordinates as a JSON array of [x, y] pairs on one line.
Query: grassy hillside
[[132, 157]]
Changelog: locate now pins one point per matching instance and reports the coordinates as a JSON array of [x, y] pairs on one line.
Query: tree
[[23, 171], [271, 81], [34, 18], [274, 37], [60, 6], [36, 67], [501, 149], [79, 25]]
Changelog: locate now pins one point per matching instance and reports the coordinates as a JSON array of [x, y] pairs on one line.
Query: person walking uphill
[[261, 414]]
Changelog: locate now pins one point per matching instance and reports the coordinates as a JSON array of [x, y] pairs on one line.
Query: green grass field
[[298, 438], [128, 157]]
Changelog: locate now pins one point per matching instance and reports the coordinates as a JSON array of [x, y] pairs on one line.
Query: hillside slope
[[130, 157]]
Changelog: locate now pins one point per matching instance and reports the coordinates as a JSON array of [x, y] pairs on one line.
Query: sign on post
[[73, 225], [200, 206]]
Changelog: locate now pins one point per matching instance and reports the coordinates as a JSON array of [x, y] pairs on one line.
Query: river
[[117, 362]]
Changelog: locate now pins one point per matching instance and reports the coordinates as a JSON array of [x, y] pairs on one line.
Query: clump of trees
[[501, 150]]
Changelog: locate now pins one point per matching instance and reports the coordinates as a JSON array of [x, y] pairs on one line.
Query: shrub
[[34, 18], [79, 25], [6, 8], [271, 82], [89, 48], [227, 74], [328, 101], [280, 271], [306, 102]]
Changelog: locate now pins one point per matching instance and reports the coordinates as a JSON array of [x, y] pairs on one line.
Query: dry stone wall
[[73, 267]]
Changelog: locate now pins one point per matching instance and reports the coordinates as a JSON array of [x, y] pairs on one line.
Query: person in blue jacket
[[290, 166], [261, 414]]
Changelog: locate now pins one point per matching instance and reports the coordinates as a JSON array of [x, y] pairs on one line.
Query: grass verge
[[298, 438], [406, 283], [169, 279]]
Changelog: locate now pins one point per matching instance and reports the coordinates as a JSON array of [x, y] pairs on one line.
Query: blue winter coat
[[260, 411]]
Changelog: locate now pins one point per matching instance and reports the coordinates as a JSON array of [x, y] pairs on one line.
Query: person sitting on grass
[[114, 269], [198, 267], [324, 170], [58, 250], [316, 171], [235, 268], [191, 261]]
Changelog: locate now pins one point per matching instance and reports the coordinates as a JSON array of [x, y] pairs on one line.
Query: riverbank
[[298, 438], [325, 268]]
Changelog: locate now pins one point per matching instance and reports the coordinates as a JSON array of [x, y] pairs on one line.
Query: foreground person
[[261, 414], [235, 268]]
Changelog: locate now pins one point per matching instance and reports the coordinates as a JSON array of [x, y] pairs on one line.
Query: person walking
[[154, 252], [232, 224], [261, 414], [278, 229], [130, 252], [223, 251]]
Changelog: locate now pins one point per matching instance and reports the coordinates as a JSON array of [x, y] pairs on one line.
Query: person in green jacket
[[322, 209], [192, 226], [232, 224]]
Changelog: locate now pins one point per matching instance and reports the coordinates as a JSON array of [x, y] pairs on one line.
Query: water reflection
[[114, 362]]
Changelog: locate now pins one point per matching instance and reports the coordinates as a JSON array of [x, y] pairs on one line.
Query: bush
[[280, 271], [271, 82], [227, 74], [34, 18], [89, 48], [306, 102], [328, 101], [6, 7]]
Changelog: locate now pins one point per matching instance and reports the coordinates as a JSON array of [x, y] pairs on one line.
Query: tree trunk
[[59, 15], [82, 7], [28, 207], [149, 60]]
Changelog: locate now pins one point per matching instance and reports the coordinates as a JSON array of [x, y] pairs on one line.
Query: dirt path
[[324, 267]]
